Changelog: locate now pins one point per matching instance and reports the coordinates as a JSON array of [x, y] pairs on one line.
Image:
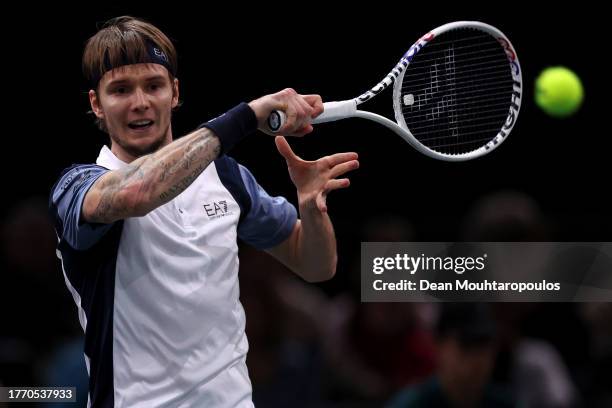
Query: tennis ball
[[559, 91]]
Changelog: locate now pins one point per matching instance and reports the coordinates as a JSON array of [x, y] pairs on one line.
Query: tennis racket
[[456, 93]]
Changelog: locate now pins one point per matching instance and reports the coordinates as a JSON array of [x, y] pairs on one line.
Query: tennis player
[[148, 234]]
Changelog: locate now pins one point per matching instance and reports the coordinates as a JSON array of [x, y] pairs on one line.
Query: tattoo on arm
[[157, 178], [196, 158]]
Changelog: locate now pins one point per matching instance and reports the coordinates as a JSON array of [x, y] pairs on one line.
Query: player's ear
[[96, 107], [175, 93]]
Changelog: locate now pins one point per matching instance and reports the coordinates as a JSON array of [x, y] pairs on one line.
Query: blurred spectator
[[38, 314], [308, 349], [505, 216], [535, 370], [284, 360], [375, 349], [466, 344]]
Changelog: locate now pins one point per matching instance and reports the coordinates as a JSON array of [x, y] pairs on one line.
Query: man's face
[[135, 102]]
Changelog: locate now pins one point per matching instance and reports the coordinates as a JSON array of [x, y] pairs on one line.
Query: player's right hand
[[299, 111]]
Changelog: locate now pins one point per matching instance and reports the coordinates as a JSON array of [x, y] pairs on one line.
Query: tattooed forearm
[[175, 190], [153, 180], [196, 158]]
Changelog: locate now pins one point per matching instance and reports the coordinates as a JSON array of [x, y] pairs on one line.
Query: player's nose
[[140, 100]]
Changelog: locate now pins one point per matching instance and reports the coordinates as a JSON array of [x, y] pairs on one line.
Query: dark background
[[225, 58], [230, 53]]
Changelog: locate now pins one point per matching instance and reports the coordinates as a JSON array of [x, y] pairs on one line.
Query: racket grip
[[332, 111]]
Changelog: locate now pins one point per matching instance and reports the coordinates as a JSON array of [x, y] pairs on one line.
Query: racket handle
[[332, 111]]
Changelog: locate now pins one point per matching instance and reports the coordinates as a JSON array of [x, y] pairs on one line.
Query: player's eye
[[155, 86]]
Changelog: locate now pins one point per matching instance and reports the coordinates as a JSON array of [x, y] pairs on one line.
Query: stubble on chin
[[138, 151]]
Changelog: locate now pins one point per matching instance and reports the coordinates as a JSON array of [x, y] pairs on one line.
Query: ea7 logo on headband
[[160, 54]]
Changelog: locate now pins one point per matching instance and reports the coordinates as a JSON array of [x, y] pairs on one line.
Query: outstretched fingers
[[336, 184], [338, 158], [343, 168]]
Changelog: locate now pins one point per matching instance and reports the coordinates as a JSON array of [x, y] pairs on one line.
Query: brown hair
[[122, 41]]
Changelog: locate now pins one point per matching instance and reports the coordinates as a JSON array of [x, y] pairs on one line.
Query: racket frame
[[334, 111]]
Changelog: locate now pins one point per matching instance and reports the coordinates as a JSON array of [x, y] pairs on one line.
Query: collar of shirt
[[107, 159]]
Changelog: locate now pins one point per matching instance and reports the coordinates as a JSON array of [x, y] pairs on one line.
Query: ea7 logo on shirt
[[216, 209]]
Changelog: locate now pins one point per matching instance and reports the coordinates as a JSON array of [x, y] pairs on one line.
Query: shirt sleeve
[[66, 202], [269, 220]]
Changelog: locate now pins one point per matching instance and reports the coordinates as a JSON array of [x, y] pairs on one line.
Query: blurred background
[[318, 345]]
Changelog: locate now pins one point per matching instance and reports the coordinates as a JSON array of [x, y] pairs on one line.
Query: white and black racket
[[457, 93]]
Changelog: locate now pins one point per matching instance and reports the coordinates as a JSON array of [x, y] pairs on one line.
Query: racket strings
[[476, 55], [464, 125], [474, 70], [497, 109], [501, 115], [498, 74], [456, 92], [462, 83], [480, 141], [463, 38], [449, 105], [473, 92]]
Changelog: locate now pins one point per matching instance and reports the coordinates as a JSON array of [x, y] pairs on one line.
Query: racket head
[[459, 94]]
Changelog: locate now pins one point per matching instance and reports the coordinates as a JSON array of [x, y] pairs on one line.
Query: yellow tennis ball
[[559, 91]]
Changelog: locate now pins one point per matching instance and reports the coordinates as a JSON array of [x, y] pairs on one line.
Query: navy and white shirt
[[157, 295]]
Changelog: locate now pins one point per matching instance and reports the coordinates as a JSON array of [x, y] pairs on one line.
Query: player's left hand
[[316, 179]]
